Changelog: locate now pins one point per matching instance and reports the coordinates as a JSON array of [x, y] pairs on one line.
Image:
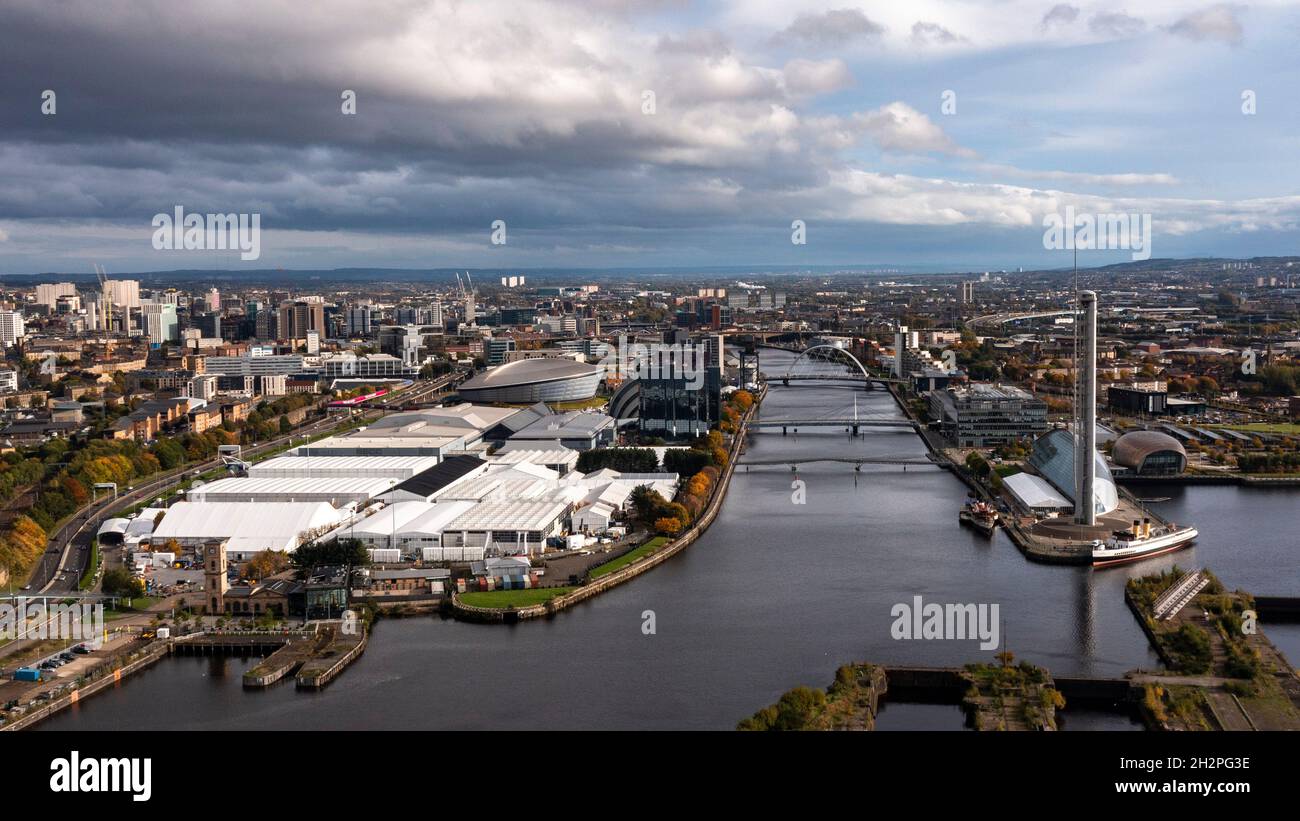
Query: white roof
[[435, 520], [383, 521], [509, 516], [278, 488], [345, 443], [1035, 491], [396, 467], [247, 526], [114, 526], [525, 481], [538, 456]]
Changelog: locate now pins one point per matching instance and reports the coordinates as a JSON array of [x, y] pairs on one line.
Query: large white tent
[[247, 527]]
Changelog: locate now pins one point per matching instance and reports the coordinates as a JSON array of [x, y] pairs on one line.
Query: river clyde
[[774, 595]]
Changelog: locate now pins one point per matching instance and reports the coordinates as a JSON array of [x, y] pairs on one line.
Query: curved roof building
[[534, 380], [1150, 453], [1053, 458]]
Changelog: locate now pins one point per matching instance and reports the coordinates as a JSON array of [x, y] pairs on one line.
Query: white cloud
[[1214, 23], [900, 128]]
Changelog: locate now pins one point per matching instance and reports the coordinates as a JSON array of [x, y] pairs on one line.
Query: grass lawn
[[503, 599], [138, 605], [1286, 429], [627, 558]]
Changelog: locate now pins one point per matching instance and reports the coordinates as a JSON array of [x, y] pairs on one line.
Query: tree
[[794, 711], [266, 563], [668, 526], [119, 582], [285, 425], [338, 552]]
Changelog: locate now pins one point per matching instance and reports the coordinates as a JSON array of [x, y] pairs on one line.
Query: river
[[775, 594]]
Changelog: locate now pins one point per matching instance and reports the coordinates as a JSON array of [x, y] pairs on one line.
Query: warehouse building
[[337, 491], [560, 460], [427, 485], [1035, 496], [247, 528], [575, 430], [324, 467]]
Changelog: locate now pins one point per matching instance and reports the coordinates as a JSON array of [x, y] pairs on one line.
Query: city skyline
[[936, 137]]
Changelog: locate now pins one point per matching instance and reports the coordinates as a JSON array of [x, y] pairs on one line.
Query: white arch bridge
[[830, 363]]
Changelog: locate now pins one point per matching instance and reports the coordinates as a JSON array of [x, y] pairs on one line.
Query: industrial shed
[[336, 491], [347, 467], [247, 527], [507, 527], [1035, 495]]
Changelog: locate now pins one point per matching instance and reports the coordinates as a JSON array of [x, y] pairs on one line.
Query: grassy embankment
[[628, 558], [504, 599]]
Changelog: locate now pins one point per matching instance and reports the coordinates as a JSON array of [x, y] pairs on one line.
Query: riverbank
[[774, 594], [594, 587]]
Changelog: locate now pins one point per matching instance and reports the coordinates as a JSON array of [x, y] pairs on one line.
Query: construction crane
[[467, 294], [105, 308]]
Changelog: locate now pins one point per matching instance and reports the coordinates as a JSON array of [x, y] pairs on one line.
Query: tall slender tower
[[1085, 431]]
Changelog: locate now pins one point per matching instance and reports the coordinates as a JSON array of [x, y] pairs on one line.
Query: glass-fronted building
[[1053, 458]]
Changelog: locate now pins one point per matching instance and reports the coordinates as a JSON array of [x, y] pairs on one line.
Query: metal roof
[[436, 478], [529, 371]]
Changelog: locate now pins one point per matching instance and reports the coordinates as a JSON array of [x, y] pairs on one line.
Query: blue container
[[27, 674]]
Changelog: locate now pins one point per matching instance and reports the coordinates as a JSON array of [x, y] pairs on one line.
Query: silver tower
[[1085, 422]]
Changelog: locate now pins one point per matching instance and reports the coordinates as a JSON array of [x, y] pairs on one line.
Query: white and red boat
[[980, 515], [1142, 541]]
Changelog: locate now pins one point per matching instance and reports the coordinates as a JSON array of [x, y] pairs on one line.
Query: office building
[[11, 327], [981, 415]]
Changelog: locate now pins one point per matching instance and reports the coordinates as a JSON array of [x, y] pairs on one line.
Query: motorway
[[59, 569]]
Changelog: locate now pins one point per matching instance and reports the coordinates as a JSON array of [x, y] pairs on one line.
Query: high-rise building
[[357, 320], [160, 323], [124, 293], [214, 300], [48, 295], [11, 327], [297, 318]]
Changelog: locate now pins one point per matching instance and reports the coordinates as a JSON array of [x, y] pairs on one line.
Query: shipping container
[[385, 555], [27, 674]]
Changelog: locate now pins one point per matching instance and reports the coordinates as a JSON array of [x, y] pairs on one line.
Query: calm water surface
[[774, 595]]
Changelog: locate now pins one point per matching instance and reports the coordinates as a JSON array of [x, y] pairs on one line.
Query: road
[[59, 570]]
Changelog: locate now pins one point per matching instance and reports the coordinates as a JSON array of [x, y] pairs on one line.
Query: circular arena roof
[[529, 371], [1132, 449]]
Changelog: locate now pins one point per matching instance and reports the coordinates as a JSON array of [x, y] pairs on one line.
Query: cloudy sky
[[616, 133]]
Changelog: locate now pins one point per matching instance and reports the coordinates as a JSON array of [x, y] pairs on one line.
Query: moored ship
[[1141, 541], [980, 515]]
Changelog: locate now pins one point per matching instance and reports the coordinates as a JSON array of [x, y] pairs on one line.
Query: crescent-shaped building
[[1150, 453], [533, 380]]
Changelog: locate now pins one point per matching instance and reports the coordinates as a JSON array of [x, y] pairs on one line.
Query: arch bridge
[[829, 363]]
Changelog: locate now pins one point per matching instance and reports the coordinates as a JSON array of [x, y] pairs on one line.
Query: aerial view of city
[[550, 365]]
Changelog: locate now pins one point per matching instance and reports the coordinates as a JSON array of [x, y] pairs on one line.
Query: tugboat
[[1141, 541], [980, 515]]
